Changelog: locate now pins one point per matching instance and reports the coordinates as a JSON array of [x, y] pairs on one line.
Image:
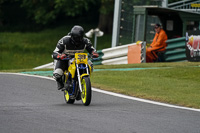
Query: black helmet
[[77, 34]]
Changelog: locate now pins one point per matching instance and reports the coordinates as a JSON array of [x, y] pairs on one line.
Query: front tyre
[[86, 94], [67, 98]]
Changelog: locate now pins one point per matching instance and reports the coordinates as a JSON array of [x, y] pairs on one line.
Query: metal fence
[[126, 18], [186, 5]]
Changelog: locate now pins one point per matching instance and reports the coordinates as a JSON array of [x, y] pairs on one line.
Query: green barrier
[[175, 51]]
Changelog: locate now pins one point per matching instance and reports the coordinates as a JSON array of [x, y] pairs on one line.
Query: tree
[[106, 15], [1, 12], [46, 11]]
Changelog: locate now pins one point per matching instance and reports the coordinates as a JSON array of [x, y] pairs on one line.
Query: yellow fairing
[[72, 69], [66, 76], [81, 58], [90, 69], [83, 75]]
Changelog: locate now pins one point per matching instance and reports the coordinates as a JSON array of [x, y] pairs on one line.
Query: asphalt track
[[33, 105]]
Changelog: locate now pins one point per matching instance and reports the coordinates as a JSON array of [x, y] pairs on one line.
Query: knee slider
[[57, 74]]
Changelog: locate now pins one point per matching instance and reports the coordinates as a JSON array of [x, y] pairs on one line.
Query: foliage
[[45, 11], [107, 6]]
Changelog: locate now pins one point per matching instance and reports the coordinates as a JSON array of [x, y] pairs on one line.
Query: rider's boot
[[58, 79], [60, 85]]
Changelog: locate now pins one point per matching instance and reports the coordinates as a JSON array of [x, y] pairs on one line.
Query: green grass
[[145, 65], [177, 85], [22, 50]]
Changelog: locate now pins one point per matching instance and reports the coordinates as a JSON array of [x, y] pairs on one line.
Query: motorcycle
[[76, 79]]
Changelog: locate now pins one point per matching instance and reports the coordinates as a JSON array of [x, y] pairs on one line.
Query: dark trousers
[[60, 67]]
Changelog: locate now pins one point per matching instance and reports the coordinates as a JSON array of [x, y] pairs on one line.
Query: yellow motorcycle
[[77, 85]]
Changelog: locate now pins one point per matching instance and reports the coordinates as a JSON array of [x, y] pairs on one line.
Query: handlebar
[[67, 58], [90, 56]]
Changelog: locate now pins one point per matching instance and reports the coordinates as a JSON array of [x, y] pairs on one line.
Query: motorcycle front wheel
[[67, 98], [86, 94]]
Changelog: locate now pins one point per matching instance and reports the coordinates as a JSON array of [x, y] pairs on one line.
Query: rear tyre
[[86, 94], [68, 100]]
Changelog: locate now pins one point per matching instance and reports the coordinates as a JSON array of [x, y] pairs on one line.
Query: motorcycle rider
[[67, 46]]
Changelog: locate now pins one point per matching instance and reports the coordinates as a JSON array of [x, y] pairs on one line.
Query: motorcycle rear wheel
[[68, 100], [86, 94]]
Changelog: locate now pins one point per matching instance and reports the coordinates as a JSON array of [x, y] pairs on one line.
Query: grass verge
[[23, 50], [175, 83]]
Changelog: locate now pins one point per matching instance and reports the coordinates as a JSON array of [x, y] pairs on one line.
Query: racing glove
[[95, 54], [62, 56]]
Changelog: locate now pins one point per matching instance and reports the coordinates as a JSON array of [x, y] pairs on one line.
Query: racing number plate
[[81, 57]]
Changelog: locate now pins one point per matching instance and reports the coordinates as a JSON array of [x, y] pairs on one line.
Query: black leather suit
[[67, 46]]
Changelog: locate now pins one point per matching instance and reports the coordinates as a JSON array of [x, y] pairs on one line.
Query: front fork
[[79, 76]]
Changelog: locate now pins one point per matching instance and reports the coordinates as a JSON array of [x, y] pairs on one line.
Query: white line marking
[[117, 95], [143, 100]]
